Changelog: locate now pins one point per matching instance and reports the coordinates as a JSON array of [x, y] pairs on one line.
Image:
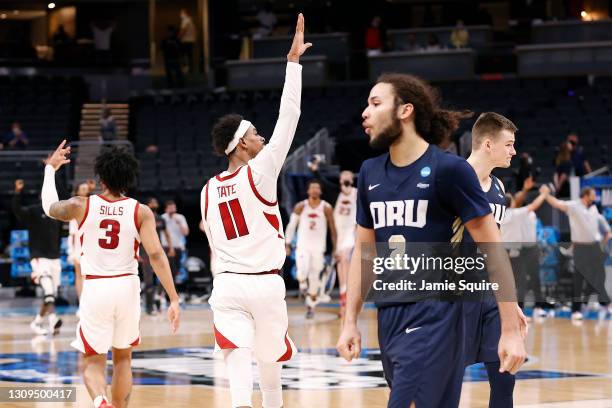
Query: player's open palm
[[59, 157], [349, 343], [298, 48], [511, 351], [174, 316]]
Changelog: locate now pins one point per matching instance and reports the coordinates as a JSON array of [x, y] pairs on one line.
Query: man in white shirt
[[177, 228], [586, 228], [518, 231]]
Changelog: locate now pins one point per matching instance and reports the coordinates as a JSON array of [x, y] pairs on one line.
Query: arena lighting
[[51, 5]]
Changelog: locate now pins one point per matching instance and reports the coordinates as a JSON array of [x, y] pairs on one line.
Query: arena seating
[[545, 110], [47, 109]]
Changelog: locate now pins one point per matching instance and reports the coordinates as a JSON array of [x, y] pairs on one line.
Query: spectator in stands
[[267, 21], [147, 271], [187, 35], [102, 32], [16, 138], [171, 48], [60, 41], [375, 37], [108, 127], [564, 170], [579, 161], [412, 44], [433, 43], [460, 37], [177, 228], [590, 233]]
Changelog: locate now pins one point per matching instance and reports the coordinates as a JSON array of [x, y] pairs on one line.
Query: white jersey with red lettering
[[312, 228], [244, 230], [109, 236], [345, 217]]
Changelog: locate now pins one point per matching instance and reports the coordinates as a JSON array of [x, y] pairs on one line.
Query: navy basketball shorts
[[422, 346], [482, 331]]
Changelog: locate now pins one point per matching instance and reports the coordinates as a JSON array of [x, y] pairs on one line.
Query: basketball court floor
[[570, 364]]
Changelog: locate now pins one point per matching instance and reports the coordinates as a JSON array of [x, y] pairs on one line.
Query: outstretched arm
[[535, 204], [558, 204], [268, 163], [20, 211]]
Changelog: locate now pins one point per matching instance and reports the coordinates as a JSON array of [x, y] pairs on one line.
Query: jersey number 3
[[231, 213], [111, 239]]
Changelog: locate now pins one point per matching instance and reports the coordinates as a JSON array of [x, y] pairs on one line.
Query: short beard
[[388, 136]]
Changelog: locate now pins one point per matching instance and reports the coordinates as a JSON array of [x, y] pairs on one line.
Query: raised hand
[[58, 158], [298, 48], [19, 185]]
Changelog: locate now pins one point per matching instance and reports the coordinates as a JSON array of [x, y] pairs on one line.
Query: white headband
[[242, 129]]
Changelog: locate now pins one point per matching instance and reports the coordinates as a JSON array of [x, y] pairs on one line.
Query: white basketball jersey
[[244, 230], [345, 211], [312, 228], [109, 237]]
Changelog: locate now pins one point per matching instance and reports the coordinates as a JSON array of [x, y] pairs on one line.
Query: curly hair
[[431, 122], [223, 132], [117, 169]]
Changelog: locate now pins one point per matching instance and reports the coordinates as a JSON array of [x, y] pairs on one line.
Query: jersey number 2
[[231, 213], [111, 239]]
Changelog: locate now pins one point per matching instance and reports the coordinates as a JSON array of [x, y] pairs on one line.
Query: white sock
[[342, 289], [270, 384], [99, 400], [240, 375]]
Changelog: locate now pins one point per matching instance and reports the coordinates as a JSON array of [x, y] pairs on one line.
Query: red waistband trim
[[271, 272], [108, 276]]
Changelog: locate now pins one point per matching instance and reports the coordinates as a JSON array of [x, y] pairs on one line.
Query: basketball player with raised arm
[[111, 227], [412, 194], [244, 230], [493, 138], [311, 218]]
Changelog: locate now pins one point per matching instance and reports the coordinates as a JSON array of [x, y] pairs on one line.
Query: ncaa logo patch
[[425, 171]]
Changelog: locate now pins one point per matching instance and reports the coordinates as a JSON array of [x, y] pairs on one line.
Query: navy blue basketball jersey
[[421, 201], [497, 202]]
